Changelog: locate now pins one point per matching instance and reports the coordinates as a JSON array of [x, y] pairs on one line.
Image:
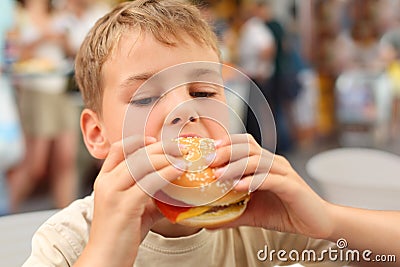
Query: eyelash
[[144, 101], [200, 94], [150, 100]]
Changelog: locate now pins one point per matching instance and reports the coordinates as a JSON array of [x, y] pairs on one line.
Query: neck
[[168, 229]]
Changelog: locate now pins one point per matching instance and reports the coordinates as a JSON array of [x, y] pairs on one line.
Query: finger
[[237, 146], [169, 147], [243, 139], [234, 152], [155, 181], [234, 138], [278, 184], [121, 148], [242, 167], [269, 168], [252, 183], [141, 164], [280, 165], [133, 143], [242, 163], [122, 177], [118, 179], [256, 181], [267, 162]]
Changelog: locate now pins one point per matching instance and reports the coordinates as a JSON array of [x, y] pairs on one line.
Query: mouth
[[190, 135]]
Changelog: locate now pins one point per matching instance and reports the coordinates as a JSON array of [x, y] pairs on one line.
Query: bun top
[[198, 186], [198, 153], [195, 148]]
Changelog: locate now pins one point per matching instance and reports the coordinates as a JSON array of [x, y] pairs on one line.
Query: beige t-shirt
[[60, 241]]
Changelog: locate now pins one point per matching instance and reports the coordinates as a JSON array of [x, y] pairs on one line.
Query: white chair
[[358, 177], [16, 233]]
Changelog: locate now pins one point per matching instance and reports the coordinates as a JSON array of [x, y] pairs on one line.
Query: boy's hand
[[123, 212], [282, 200]]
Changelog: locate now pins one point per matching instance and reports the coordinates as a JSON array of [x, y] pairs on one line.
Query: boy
[[119, 225]]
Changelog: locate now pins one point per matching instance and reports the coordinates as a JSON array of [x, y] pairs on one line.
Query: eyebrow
[[204, 71], [141, 77]]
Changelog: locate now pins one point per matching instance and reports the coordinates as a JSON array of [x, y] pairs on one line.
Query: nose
[[180, 117], [182, 108]]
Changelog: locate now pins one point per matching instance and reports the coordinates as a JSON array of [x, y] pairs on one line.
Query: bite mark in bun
[[204, 201]]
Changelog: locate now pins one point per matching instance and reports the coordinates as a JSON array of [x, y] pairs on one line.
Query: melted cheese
[[193, 212]]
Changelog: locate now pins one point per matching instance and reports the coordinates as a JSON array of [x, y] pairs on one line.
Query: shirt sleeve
[[60, 241], [50, 248]]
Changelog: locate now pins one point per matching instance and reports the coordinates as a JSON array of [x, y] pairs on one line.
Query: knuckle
[[282, 160], [116, 147], [250, 138]]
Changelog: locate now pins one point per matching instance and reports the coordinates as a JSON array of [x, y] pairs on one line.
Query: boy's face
[[135, 60]]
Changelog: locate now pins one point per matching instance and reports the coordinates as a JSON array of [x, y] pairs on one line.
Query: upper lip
[[189, 135]]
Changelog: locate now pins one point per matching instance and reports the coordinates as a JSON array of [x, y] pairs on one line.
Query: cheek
[[113, 128], [217, 129], [154, 124], [134, 123], [143, 121], [219, 118]]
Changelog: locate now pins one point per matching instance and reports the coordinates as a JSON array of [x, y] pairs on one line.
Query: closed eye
[[144, 101], [202, 94]]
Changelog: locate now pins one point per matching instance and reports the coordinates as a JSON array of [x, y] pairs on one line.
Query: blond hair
[[166, 20]]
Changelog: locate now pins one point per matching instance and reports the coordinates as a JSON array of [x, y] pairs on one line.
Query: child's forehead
[[127, 37], [141, 63], [134, 36], [144, 56]]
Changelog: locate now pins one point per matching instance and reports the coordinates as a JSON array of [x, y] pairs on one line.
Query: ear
[[94, 134]]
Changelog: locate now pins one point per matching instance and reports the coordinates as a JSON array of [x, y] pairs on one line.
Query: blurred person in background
[[78, 16], [256, 50], [390, 52], [48, 115], [360, 100], [357, 46], [11, 145], [283, 86]]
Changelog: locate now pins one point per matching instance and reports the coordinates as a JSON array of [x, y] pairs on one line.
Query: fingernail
[[253, 187], [220, 171], [241, 183], [256, 182], [151, 139], [181, 165], [210, 157], [183, 148], [217, 143]]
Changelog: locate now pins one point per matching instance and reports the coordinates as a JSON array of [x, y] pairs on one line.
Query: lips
[[190, 135]]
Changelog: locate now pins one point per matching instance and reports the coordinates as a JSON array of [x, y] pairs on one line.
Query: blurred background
[[330, 70]]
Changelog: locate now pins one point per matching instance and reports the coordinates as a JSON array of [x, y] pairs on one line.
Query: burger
[[198, 198]]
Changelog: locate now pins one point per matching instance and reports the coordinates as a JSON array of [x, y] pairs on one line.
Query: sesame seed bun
[[204, 200]]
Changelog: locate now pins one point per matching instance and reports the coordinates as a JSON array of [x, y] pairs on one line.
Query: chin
[[197, 198]]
